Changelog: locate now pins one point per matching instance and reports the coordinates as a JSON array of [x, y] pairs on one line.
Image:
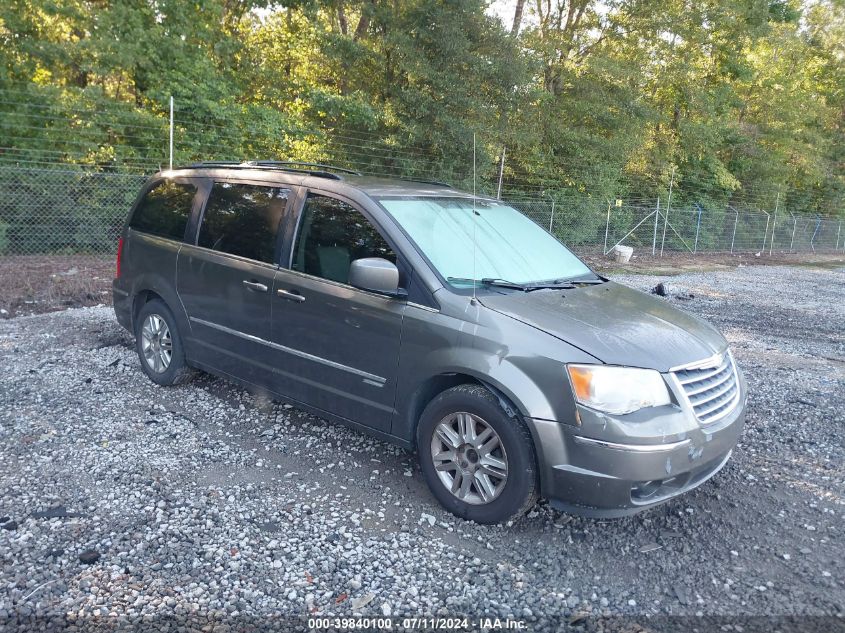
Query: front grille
[[712, 391]]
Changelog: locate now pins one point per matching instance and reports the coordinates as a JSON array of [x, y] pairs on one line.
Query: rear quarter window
[[165, 209]]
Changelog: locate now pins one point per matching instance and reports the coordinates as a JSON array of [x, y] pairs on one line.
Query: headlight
[[617, 389]]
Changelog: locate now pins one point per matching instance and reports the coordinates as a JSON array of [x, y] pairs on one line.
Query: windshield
[[508, 245]]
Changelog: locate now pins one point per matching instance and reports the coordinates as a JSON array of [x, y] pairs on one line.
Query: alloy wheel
[[156, 343], [469, 458]]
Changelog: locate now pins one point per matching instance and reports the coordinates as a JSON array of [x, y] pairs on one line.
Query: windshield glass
[[508, 245]]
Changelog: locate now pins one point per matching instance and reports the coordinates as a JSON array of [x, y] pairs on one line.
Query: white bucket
[[622, 254]]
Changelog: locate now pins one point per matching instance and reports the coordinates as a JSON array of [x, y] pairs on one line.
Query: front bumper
[[611, 466]]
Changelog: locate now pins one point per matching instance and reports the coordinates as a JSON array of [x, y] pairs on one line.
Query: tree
[[741, 101]]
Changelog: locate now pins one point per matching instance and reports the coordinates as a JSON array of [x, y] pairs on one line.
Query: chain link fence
[[63, 212], [48, 211], [690, 228]]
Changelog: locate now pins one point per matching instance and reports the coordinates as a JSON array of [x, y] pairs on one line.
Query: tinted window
[[243, 220], [332, 234], [165, 210]]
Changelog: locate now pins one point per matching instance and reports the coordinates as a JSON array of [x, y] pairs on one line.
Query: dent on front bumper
[[610, 468]]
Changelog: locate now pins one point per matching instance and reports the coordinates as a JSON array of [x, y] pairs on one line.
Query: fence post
[[794, 226], [654, 239], [766, 231], [736, 221], [501, 173], [697, 228], [774, 223], [838, 231], [607, 227], [815, 232], [552, 219], [666, 212], [171, 132]]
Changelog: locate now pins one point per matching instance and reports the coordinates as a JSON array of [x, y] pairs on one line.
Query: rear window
[[165, 210], [243, 220]]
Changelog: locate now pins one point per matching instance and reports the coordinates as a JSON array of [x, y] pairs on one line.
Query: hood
[[616, 324]]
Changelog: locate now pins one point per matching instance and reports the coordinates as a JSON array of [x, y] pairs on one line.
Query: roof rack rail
[[296, 163], [439, 183], [212, 163], [322, 171]]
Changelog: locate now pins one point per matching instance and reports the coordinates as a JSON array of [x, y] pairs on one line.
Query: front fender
[[521, 363], [500, 373]]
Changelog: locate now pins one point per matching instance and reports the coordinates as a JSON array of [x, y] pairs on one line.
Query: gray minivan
[[442, 322]]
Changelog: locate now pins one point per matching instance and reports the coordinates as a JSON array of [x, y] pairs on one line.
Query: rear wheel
[[477, 460], [159, 345]]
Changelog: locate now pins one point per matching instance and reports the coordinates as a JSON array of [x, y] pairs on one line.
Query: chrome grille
[[711, 387]]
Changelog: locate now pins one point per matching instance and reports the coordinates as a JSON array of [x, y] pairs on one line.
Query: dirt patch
[[677, 263], [32, 284]]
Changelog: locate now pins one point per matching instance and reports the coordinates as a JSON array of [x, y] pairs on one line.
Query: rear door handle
[[292, 296], [256, 286]]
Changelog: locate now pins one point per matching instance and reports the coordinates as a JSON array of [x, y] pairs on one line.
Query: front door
[[338, 345], [226, 278]]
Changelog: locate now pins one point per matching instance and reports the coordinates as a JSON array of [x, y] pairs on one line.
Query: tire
[[156, 332], [445, 439]]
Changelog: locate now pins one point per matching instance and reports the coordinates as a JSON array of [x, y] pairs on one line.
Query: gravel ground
[[118, 497]]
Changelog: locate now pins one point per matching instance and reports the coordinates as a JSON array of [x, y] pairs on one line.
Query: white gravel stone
[[167, 490]]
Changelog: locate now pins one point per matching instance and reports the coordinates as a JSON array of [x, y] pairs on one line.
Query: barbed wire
[[537, 182], [90, 144]]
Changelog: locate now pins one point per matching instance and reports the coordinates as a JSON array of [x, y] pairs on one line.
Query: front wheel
[[477, 460]]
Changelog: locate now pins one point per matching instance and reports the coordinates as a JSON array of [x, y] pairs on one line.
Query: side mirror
[[376, 275]]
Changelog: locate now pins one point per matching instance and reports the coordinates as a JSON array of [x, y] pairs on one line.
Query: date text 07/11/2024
[[417, 623]]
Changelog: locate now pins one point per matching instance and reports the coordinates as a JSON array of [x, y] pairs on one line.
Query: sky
[[502, 9]]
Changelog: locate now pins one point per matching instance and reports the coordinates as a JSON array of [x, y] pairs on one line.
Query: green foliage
[[734, 103], [53, 211]]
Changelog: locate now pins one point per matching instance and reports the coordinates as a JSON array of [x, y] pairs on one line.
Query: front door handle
[[256, 286], [292, 296]]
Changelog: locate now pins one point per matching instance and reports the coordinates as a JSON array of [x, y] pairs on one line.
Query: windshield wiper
[[552, 286], [557, 284], [489, 281], [575, 280], [569, 283]]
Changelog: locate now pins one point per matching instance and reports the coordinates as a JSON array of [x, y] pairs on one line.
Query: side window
[[165, 210], [243, 220], [332, 234]]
